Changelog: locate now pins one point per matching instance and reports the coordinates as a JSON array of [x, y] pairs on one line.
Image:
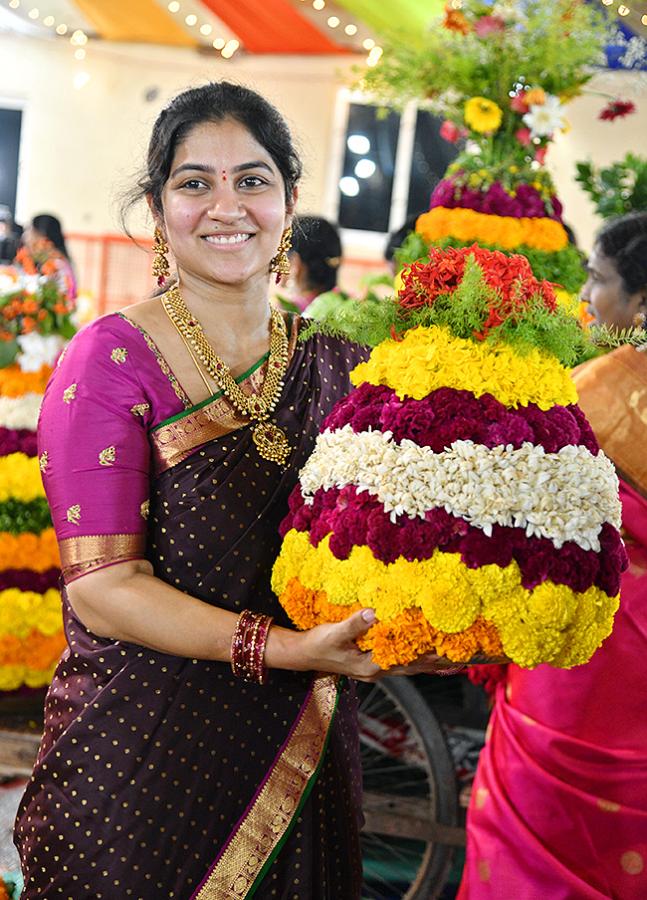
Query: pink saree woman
[[559, 805]]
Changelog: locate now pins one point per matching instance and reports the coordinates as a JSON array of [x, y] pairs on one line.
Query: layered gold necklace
[[271, 442]]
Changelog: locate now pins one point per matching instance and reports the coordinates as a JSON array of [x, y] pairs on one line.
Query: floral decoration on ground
[[36, 307]]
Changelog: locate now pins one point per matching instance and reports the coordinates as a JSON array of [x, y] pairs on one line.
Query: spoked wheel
[[410, 801]]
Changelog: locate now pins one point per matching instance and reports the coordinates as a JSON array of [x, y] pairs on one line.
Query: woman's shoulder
[[107, 346]]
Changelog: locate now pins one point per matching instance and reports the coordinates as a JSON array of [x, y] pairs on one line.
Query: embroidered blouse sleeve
[[94, 452]]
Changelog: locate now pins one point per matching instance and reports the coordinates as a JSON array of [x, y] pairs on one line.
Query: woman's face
[[224, 205], [606, 296], [31, 237]]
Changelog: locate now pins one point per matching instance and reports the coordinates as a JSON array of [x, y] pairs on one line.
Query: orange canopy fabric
[[134, 20], [272, 26]]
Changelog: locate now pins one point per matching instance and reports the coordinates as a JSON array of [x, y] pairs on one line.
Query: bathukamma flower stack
[[459, 490]]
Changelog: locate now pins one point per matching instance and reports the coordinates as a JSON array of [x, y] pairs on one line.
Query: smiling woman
[[189, 748]]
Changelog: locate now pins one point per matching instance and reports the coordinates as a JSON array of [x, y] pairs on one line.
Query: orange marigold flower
[[455, 21], [397, 641], [29, 551], [14, 382]]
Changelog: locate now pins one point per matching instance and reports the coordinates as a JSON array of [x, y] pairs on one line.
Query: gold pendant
[[271, 442]]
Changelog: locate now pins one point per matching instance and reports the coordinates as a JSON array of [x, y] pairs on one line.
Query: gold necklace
[[271, 442], [196, 363]]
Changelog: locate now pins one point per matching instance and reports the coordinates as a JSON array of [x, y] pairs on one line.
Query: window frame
[[371, 241]]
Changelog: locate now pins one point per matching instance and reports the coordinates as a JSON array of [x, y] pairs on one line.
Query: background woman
[[314, 259], [44, 238], [559, 804], [189, 750]]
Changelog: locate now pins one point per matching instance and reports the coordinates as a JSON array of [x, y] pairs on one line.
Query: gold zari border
[[174, 442], [80, 555], [266, 823]]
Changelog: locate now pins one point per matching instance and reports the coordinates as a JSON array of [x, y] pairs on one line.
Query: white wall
[[80, 148]]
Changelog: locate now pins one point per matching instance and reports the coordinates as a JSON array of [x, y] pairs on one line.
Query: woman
[[315, 258], [44, 240], [189, 748], [559, 804]]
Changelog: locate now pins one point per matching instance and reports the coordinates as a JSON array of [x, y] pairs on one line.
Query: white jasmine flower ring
[[20, 412], [563, 496]]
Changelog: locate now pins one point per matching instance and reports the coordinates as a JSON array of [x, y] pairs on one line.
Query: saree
[[559, 803], [160, 776]]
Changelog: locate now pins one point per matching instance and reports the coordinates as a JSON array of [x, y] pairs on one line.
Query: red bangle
[[248, 646]]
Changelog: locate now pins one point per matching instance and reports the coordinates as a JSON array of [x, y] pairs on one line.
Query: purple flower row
[[358, 519], [447, 415], [27, 580], [17, 441], [496, 201]]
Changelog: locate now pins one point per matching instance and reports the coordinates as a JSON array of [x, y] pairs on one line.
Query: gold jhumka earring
[[280, 264], [161, 269]]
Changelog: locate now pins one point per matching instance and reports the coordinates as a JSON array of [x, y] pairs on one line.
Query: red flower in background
[[523, 135], [450, 132], [518, 103], [489, 25], [510, 278], [616, 109]]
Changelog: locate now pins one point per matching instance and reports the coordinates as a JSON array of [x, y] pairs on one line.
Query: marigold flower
[[483, 115], [455, 20]]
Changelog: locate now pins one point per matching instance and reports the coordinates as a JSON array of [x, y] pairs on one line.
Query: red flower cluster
[[510, 279], [447, 415], [616, 109]]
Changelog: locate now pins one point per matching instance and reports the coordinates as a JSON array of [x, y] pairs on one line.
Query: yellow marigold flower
[[483, 115], [506, 231], [430, 358], [20, 478], [20, 611]]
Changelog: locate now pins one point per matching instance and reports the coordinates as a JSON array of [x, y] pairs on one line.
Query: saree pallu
[[559, 803], [160, 776]]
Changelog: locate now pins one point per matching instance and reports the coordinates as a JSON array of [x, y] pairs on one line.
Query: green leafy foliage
[[18, 517], [618, 188], [611, 338], [548, 45]]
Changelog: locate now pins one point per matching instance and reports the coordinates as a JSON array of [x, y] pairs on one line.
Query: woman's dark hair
[[624, 240], [214, 102], [318, 244], [50, 227]]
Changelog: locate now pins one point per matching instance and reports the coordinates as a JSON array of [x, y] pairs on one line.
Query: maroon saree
[[165, 777]]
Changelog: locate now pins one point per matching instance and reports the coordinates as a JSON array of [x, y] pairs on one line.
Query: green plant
[[616, 189]]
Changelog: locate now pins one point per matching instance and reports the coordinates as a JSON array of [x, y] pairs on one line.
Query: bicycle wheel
[[410, 799]]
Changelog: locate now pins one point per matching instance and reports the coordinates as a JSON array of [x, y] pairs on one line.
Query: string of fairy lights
[[226, 46], [349, 28]]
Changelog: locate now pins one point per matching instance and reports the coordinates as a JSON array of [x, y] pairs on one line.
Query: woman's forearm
[[126, 602]]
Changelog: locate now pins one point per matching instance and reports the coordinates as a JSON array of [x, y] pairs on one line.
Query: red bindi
[[224, 175]]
